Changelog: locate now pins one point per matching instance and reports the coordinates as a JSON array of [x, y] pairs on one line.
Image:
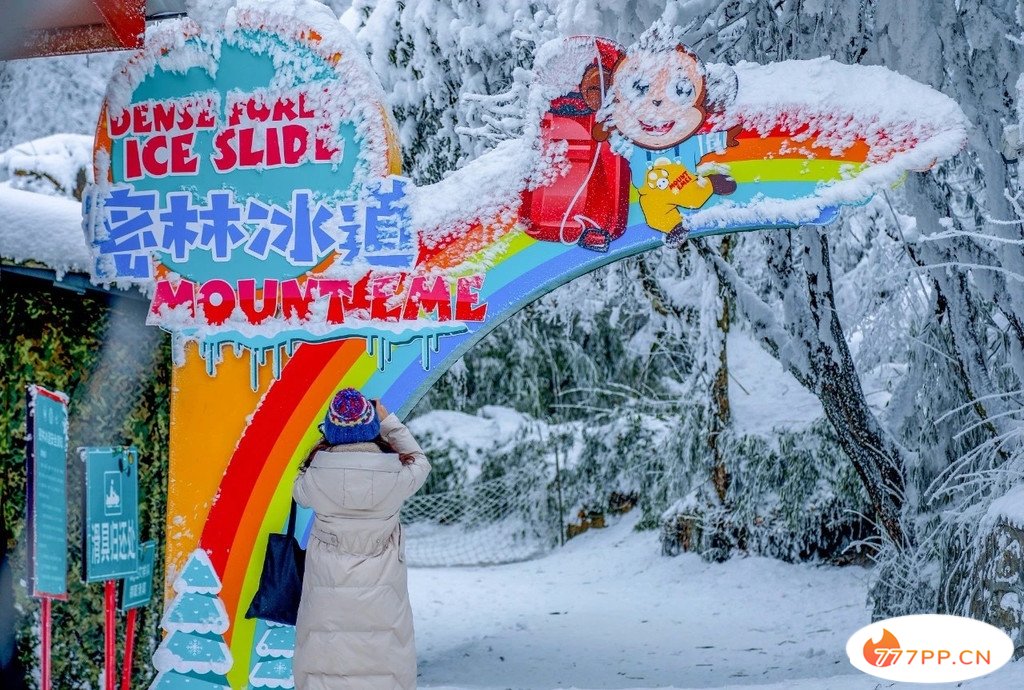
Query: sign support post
[[136, 591], [46, 604], [109, 636], [129, 649]]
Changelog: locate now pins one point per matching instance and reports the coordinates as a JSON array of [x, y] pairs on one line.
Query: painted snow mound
[[181, 652], [887, 110]]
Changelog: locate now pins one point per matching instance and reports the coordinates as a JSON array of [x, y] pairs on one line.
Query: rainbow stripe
[[784, 164]]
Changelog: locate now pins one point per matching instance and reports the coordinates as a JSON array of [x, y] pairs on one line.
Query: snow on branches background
[[903, 323]]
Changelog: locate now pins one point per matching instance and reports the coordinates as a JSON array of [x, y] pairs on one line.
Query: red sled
[[589, 204]]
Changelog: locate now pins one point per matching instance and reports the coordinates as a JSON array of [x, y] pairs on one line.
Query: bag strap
[[291, 520]]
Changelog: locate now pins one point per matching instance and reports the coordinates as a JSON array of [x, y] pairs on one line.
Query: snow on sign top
[[248, 178]]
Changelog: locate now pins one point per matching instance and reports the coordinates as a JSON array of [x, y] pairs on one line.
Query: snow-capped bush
[[58, 165]]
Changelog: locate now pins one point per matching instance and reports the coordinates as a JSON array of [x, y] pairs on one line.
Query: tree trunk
[[812, 347], [874, 453], [721, 412]]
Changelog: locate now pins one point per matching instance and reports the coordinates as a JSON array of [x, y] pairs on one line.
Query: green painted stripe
[[792, 170]]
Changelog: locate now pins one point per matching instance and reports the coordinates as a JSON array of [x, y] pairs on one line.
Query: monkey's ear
[[596, 82], [721, 86], [600, 132]]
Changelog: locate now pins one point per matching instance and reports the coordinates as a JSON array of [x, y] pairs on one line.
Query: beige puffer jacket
[[354, 630]]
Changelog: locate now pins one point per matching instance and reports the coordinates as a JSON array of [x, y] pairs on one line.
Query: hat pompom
[[350, 419]]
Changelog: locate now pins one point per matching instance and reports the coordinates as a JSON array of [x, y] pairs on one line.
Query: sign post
[[111, 545], [109, 636], [47, 518], [46, 641], [129, 650], [136, 591]]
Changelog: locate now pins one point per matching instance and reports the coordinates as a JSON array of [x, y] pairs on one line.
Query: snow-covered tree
[[46, 96], [429, 55]]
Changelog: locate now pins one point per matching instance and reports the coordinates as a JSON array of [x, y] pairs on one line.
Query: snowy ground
[[606, 611]]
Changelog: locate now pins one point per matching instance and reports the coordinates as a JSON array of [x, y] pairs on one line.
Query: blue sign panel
[[46, 493], [137, 589], [111, 539]]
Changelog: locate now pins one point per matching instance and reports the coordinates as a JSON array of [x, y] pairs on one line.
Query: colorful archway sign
[[249, 179]]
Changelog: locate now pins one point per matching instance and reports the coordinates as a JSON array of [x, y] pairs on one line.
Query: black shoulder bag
[[277, 598]]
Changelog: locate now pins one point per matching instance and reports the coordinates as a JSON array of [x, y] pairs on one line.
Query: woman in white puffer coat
[[354, 628]]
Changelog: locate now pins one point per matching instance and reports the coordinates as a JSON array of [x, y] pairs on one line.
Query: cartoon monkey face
[[657, 99]]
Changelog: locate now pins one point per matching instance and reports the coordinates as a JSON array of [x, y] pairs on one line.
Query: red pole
[[129, 649], [109, 662], [46, 604]]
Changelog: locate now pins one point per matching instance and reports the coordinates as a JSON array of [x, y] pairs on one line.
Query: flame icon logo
[[877, 653]]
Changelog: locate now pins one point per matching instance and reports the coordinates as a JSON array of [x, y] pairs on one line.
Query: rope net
[[487, 522]]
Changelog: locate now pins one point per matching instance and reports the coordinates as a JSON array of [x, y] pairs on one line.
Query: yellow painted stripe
[[208, 416]]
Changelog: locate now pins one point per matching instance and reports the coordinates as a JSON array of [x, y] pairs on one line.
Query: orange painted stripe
[[475, 240], [209, 414], [760, 148], [467, 244]]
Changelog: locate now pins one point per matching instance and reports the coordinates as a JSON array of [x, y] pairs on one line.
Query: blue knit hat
[[350, 419]]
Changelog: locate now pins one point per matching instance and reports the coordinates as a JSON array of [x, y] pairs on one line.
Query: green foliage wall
[[97, 349]]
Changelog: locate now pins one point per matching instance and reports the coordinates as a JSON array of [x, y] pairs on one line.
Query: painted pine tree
[[193, 655], [275, 647]]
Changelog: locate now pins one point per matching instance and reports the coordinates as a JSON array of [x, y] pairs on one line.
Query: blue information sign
[[111, 538], [137, 588], [46, 493]]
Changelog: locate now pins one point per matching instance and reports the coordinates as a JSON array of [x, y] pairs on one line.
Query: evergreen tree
[[193, 656], [273, 660]]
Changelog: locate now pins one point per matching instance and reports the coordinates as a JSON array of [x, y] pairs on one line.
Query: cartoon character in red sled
[[648, 104]]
